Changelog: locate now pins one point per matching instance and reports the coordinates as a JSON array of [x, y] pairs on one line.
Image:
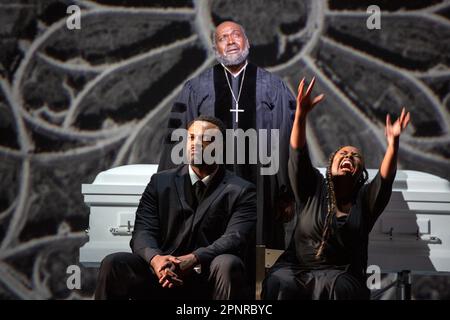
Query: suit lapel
[[214, 189], [180, 187]]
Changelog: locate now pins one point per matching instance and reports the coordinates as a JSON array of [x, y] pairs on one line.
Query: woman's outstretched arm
[[302, 175], [304, 105], [380, 188], [393, 131]]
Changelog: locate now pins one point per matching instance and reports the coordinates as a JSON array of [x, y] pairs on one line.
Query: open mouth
[[232, 51], [347, 165]]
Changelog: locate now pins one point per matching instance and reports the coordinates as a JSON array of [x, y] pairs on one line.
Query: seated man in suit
[[190, 234]]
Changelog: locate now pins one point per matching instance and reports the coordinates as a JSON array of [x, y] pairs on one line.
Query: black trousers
[[287, 282], [127, 276]]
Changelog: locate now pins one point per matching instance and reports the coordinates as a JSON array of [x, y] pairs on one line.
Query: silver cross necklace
[[236, 110]]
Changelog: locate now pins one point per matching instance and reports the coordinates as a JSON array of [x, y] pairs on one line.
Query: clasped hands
[[171, 270]]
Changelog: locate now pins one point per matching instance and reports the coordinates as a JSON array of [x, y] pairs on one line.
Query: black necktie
[[199, 190]]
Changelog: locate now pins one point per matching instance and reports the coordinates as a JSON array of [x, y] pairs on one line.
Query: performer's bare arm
[[304, 105], [393, 131]]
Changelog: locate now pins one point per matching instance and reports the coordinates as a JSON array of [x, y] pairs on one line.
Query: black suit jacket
[[222, 223]]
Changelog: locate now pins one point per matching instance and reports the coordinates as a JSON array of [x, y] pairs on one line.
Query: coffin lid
[[129, 179]]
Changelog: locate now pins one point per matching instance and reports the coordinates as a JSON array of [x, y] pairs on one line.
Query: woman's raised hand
[[394, 130], [304, 101]]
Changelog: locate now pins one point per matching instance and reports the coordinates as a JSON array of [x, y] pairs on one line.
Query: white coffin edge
[[126, 180]]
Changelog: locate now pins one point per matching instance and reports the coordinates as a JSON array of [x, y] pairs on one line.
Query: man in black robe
[[245, 97]]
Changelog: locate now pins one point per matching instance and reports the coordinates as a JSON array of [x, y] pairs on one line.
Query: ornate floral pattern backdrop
[[76, 102]]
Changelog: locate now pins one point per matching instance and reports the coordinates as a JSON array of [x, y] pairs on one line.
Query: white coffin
[[113, 198], [412, 234]]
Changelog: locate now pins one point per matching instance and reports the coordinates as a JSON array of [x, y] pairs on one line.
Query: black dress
[[341, 271]]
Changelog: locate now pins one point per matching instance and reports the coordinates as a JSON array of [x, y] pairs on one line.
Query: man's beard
[[232, 61], [198, 160]]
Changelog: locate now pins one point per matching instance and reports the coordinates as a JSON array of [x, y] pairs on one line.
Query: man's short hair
[[213, 36], [215, 121]]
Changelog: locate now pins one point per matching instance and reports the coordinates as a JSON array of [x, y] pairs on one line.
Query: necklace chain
[[240, 89]]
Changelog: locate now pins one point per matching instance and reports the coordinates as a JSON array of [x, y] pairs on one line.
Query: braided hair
[[331, 201]]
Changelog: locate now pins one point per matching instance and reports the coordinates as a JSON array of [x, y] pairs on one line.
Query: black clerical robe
[[267, 104]]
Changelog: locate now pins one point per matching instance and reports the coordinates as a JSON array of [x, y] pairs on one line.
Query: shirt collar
[[195, 178], [235, 75]]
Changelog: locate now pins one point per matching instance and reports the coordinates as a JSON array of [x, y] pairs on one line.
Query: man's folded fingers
[[164, 266]]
